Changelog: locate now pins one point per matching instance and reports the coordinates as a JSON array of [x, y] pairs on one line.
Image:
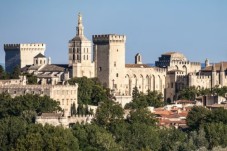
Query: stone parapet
[[106, 39]]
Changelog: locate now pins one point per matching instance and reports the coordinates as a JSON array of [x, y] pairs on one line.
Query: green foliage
[[16, 73], [11, 128], [108, 112], [140, 100], [31, 78], [142, 115], [135, 93], [171, 139], [219, 91], [90, 91], [94, 137], [197, 116], [47, 137], [189, 93], [3, 74], [26, 106]]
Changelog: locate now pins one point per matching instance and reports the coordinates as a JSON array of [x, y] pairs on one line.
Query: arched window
[[78, 57]]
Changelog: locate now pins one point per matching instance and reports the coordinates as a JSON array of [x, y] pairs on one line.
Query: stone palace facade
[[171, 73]]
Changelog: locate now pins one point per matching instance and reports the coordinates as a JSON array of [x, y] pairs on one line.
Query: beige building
[[80, 53], [109, 54], [65, 94], [21, 54], [209, 77]]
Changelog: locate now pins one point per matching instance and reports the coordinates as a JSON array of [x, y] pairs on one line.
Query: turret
[[207, 63], [138, 59]]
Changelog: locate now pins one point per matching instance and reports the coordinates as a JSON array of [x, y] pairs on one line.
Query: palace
[[171, 73]]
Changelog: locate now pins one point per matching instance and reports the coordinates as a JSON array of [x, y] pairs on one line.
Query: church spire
[[80, 27]]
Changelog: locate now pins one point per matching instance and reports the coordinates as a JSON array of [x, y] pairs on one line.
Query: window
[[172, 85], [117, 50], [84, 57], [114, 63], [87, 57], [100, 68], [117, 75], [73, 57], [78, 57]]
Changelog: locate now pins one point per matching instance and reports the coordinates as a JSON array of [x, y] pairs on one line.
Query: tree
[[16, 73], [26, 106], [90, 91], [31, 78], [11, 128], [135, 93], [154, 99], [73, 109], [108, 112], [142, 115], [140, 100], [171, 139], [189, 93], [3, 73], [197, 116], [47, 137]]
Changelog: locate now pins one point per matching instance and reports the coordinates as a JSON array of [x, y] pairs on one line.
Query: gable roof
[[40, 56]]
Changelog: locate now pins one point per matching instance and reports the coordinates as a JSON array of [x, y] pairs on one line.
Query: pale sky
[[196, 28]]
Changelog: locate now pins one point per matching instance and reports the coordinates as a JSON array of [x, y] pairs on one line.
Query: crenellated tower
[[109, 55]]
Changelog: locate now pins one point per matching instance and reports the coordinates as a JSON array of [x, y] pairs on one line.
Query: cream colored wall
[[186, 66], [144, 79], [109, 55], [29, 51], [65, 94], [200, 81], [80, 70]]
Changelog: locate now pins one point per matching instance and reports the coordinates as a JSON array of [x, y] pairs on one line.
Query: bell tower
[[80, 56]]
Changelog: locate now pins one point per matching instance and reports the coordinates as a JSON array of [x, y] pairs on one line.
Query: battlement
[[11, 46], [196, 63], [203, 77], [185, 62], [105, 39], [160, 69], [25, 46], [38, 86]]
